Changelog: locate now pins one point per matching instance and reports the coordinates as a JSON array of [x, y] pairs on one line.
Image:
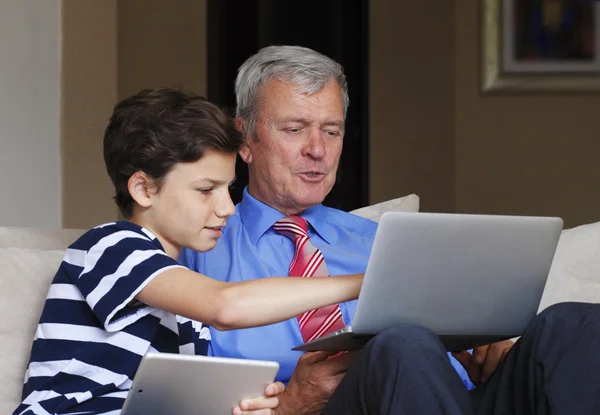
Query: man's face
[[193, 203], [294, 157]]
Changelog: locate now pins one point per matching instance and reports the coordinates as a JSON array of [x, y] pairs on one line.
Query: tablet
[[195, 385]]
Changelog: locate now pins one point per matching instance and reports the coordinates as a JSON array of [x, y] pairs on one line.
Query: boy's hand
[[263, 405]]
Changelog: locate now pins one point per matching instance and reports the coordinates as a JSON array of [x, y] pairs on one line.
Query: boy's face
[[193, 203]]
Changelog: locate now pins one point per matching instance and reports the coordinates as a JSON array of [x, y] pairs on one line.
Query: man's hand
[[316, 377], [263, 405], [485, 359]]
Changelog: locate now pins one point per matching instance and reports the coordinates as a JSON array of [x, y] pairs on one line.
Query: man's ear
[[141, 188], [240, 125], [245, 153]]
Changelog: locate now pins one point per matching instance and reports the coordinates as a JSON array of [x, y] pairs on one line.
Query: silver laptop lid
[[455, 273]]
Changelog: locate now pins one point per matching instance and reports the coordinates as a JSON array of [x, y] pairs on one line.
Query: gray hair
[[304, 67]]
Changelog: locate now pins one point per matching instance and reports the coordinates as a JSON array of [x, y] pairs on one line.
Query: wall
[[522, 154], [113, 49], [161, 44], [432, 132], [89, 92], [30, 45], [411, 102]]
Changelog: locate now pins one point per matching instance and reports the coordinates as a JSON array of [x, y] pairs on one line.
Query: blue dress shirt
[[250, 249]]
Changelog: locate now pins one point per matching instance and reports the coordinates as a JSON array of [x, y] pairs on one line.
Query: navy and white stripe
[[92, 332]]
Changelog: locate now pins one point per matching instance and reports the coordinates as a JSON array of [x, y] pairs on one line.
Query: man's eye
[[293, 130]]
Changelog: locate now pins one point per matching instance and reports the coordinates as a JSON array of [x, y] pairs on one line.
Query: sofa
[[29, 258]]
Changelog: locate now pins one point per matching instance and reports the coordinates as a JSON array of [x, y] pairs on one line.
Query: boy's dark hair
[[157, 128]]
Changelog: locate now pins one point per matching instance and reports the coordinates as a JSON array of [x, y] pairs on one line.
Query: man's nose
[[315, 145]]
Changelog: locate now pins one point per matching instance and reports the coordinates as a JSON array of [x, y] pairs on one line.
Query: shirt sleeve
[[116, 268], [193, 260], [466, 380], [188, 258]]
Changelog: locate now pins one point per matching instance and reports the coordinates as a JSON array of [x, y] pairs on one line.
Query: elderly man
[[291, 106]]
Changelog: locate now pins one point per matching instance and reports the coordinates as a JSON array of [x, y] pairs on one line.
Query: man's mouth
[[313, 177], [312, 173]]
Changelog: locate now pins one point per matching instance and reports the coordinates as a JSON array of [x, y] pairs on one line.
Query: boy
[[120, 292]]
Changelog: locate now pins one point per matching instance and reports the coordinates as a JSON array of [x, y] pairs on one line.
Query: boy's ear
[[140, 188], [245, 153]]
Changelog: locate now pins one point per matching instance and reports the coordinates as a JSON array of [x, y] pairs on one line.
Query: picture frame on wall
[[541, 45]]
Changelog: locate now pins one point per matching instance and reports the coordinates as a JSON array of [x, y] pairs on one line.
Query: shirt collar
[[258, 217]]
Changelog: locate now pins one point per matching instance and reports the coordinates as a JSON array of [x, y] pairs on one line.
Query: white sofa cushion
[[409, 203], [38, 238], [575, 271], [25, 276]]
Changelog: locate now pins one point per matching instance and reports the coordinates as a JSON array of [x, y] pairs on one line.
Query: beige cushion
[[408, 203], [575, 272], [25, 275], [37, 238]]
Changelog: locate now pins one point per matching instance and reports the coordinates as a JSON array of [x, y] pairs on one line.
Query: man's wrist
[[288, 404], [291, 403]]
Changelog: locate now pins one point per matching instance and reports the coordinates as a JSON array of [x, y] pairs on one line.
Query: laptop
[[471, 279], [195, 385]]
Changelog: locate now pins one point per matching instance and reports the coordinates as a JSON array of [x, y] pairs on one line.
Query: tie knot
[[291, 226]]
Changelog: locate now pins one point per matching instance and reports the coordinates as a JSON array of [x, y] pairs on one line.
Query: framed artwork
[[541, 45]]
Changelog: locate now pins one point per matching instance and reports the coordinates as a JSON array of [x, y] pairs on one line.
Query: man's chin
[[307, 201]]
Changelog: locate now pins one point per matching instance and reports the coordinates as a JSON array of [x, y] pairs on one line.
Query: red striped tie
[[308, 262]]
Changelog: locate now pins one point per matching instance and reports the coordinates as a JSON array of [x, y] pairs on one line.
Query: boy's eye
[[206, 190]]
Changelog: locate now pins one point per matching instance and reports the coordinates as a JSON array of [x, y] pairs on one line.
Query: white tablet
[[195, 385]]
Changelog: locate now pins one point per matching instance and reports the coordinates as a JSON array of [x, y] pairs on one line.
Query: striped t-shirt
[[92, 333]]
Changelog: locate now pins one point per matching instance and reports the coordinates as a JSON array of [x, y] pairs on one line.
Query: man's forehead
[[332, 121], [276, 88]]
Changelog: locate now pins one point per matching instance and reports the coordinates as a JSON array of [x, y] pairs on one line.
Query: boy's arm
[[227, 306]]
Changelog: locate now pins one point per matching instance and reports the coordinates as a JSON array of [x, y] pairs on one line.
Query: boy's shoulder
[[94, 235]]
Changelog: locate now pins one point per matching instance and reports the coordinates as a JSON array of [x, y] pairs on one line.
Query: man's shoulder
[[349, 221], [235, 219]]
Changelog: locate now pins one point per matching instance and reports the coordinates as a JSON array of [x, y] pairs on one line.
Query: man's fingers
[[479, 354], [310, 358], [495, 355], [467, 361], [274, 389], [504, 353], [338, 364], [464, 358], [491, 362]]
